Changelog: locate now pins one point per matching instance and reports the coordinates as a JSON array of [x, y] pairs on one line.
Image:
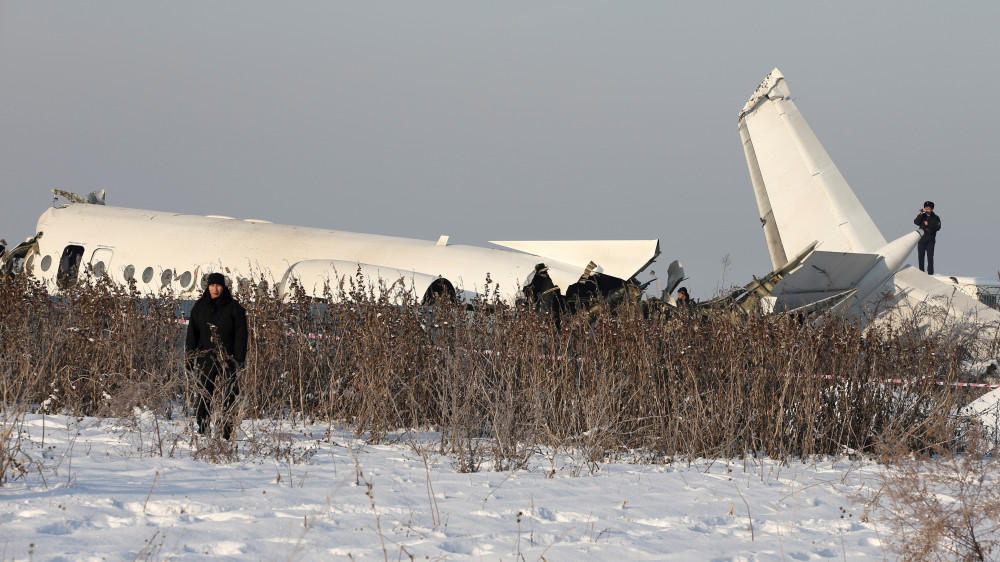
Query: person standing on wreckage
[[216, 347], [929, 224]]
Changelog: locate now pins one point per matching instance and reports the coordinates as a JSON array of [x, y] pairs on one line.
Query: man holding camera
[[929, 224]]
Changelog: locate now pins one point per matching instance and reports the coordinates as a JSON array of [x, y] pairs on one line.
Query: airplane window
[[147, 275], [166, 277], [99, 269], [129, 272], [186, 279], [46, 263]]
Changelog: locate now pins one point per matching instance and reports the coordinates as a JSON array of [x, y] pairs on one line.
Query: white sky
[[530, 120]]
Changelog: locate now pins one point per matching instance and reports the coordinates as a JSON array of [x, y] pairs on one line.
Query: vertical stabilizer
[[771, 235], [801, 195]]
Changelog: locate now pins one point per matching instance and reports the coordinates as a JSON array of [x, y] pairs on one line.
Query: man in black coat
[[929, 224], [684, 302], [216, 347]]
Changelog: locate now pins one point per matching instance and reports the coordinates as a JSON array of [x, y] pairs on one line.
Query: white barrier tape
[[902, 381]]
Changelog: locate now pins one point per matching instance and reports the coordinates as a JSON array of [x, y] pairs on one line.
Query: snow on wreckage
[[172, 251]]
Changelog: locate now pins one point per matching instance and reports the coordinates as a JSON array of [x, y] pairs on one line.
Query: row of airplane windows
[[72, 256], [69, 266]]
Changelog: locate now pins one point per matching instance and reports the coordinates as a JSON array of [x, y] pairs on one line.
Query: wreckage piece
[[753, 299], [984, 289], [13, 261], [160, 251], [803, 199], [801, 195], [675, 275], [93, 198], [758, 297]]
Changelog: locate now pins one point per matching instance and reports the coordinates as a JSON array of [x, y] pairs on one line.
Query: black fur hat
[[929, 204], [216, 279]]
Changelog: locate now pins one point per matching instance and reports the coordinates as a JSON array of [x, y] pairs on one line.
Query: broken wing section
[[623, 259], [801, 195], [820, 276]]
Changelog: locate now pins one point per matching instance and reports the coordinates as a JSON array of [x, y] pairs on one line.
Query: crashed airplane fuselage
[[172, 251]]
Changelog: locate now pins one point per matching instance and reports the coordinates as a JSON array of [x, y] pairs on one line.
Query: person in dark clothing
[[684, 302], [929, 224], [683, 296], [216, 348]]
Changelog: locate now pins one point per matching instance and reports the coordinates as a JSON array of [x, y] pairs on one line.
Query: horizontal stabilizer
[[618, 258], [826, 272]]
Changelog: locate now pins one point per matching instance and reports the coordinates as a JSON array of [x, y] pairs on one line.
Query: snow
[[143, 488]]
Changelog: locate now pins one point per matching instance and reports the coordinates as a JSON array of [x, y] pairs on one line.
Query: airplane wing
[[618, 258], [801, 195]]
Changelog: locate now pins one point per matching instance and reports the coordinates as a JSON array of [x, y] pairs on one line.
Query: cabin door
[[69, 264], [101, 261]]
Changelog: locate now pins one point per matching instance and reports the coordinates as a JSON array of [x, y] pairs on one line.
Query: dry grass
[[497, 383], [940, 506]]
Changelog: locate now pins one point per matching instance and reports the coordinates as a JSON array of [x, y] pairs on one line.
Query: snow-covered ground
[[100, 490]]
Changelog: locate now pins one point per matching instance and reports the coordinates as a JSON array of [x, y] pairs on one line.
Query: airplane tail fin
[[801, 195]]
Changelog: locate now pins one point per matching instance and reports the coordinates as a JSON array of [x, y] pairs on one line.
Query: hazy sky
[[500, 121]]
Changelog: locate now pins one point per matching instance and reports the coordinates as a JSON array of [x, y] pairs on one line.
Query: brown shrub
[[497, 382]]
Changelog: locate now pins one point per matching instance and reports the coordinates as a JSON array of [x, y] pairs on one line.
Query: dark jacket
[[931, 228], [230, 322]]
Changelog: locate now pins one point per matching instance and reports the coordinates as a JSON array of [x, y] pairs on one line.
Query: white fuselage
[[162, 250]]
